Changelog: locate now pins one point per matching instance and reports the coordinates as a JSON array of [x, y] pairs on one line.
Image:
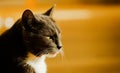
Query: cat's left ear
[[50, 11], [27, 16]]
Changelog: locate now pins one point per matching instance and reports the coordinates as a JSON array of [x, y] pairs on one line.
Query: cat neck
[[37, 63]]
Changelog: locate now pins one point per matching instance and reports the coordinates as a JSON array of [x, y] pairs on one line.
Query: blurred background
[[90, 32]]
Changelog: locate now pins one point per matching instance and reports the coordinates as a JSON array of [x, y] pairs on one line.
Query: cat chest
[[38, 65]]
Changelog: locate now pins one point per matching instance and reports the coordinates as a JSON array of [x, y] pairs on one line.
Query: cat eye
[[51, 37], [48, 37]]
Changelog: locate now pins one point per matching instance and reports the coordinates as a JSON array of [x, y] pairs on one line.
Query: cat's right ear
[[50, 11], [27, 16]]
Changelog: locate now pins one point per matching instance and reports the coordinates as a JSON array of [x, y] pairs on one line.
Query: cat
[[32, 38]]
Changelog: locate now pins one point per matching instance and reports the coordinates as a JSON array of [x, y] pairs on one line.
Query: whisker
[[62, 54]]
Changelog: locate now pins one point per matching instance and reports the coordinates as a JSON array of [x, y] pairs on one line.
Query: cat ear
[[27, 16], [50, 11]]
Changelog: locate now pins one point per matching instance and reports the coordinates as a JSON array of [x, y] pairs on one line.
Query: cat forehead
[[48, 21], [41, 17]]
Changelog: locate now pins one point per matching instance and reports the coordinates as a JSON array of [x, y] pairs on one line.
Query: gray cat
[[24, 47]]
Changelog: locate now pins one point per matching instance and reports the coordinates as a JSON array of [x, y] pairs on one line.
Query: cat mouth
[[51, 52], [54, 54]]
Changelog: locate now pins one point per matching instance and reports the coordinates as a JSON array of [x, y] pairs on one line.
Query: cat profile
[[24, 47]]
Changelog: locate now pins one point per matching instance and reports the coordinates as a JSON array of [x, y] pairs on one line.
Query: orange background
[[90, 33]]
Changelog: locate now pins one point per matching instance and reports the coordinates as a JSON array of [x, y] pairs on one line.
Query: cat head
[[41, 35]]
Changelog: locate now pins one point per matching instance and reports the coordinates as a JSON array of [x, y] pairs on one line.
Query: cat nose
[[59, 47]]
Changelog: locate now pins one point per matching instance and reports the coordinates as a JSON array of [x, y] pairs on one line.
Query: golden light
[[31, 4]]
